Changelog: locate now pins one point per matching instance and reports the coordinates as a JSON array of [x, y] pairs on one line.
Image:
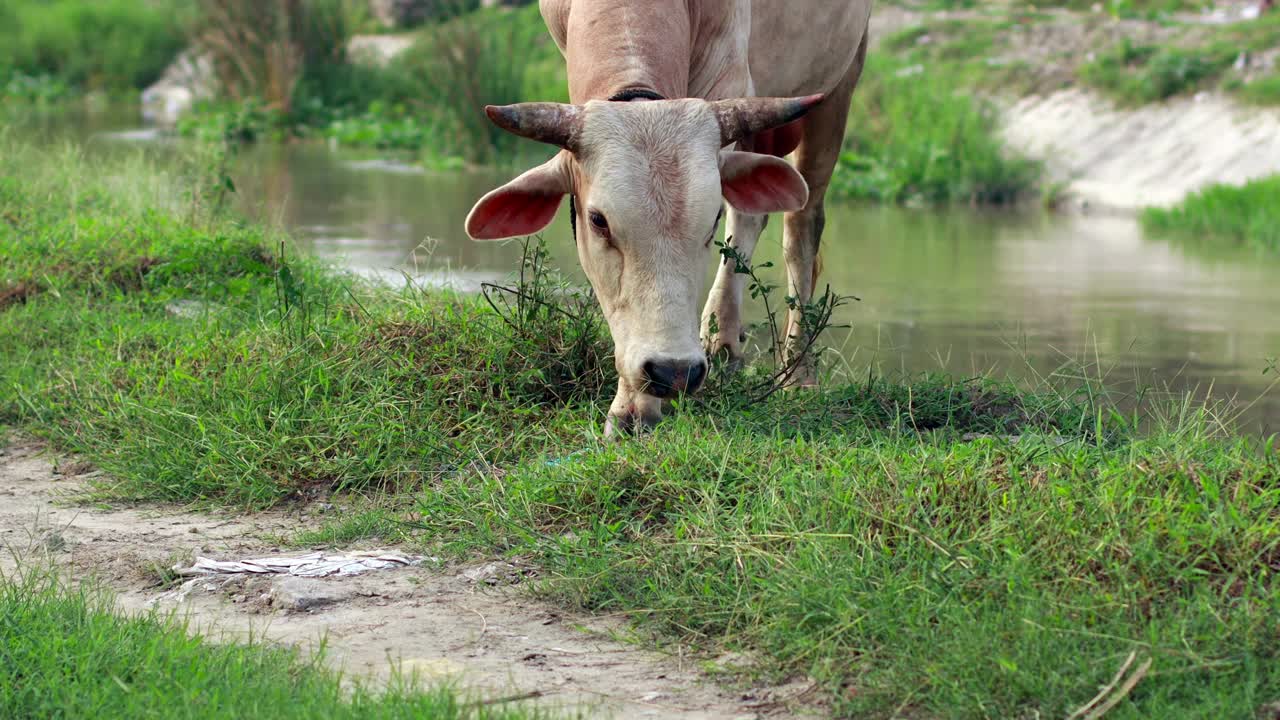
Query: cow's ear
[[523, 206], [759, 184]]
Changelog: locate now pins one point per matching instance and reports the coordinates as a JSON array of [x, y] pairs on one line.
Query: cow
[[659, 89]]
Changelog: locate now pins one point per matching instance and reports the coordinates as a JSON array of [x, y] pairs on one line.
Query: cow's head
[[648, 178]]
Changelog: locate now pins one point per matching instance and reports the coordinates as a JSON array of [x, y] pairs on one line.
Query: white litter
[[315, 564]]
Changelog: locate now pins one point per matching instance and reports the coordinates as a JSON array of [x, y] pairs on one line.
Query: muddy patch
[[470, 625]]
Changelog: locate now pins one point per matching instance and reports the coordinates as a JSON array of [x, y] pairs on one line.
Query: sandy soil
[[466, 624], [1154, 155]]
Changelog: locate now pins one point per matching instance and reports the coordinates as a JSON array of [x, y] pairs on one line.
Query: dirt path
[[463, 624]]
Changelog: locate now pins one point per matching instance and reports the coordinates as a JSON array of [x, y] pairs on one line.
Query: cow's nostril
[[697, 373], [661, 377], [664, 379]]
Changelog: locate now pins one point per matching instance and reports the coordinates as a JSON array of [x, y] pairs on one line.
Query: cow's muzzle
[[666, 379]]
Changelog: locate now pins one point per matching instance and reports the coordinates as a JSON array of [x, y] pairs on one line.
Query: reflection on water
[[964, 291]]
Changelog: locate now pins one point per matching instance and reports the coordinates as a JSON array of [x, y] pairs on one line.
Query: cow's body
[[711, 49], [646, 176]]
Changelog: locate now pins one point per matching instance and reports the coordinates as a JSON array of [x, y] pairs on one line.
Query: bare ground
[[470, 625]]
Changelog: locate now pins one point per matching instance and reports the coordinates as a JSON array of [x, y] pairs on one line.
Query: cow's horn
[[743, 117], [552, 123]]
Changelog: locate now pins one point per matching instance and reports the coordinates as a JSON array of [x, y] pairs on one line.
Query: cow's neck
[[671, 48]]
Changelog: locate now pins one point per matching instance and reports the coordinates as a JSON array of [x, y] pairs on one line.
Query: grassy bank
[[1247, 215], [64, 652], [949, 547], [1001, 51]]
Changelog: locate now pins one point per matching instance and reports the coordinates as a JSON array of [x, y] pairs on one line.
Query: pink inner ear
[[765, 186], [507, 213]]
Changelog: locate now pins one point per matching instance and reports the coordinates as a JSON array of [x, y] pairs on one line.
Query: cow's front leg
[[802, 236], [815, 158], [723, 312]]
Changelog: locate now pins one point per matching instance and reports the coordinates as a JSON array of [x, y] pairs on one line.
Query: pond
[[1024, 295]]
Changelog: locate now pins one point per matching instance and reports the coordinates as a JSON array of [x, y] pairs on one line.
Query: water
[[1022, 295]]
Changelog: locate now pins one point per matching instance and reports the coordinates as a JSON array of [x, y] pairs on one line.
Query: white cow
[[659, 88]]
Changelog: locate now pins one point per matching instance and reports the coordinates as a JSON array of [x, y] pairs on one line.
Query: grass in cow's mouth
[[64, 652], [931, 545]]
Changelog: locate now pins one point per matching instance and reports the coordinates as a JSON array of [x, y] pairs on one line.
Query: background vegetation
[[112, 45]]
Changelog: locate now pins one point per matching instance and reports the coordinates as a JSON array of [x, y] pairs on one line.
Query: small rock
[[53, 541], [188, 78], [377, 50], [188, 309], [494, 573], [72, 468], [301, 594]]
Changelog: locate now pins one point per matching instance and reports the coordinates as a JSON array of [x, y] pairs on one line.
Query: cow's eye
[[598, 223]]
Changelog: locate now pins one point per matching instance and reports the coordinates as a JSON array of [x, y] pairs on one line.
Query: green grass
[[1246, 215], [66, 653], [984, 51], [1139, 74], [113, 45], [1263, 90], [913, 137], [1127, 8], [929, 546]]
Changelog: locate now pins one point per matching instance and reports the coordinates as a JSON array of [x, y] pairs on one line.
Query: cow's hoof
[[726, 357], [802, 379], [617, 427]]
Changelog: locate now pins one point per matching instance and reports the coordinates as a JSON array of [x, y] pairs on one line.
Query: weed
[[556, 330], [789, 353]]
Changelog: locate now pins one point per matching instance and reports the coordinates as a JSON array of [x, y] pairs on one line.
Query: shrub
[[912, 138], [263, 50]]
